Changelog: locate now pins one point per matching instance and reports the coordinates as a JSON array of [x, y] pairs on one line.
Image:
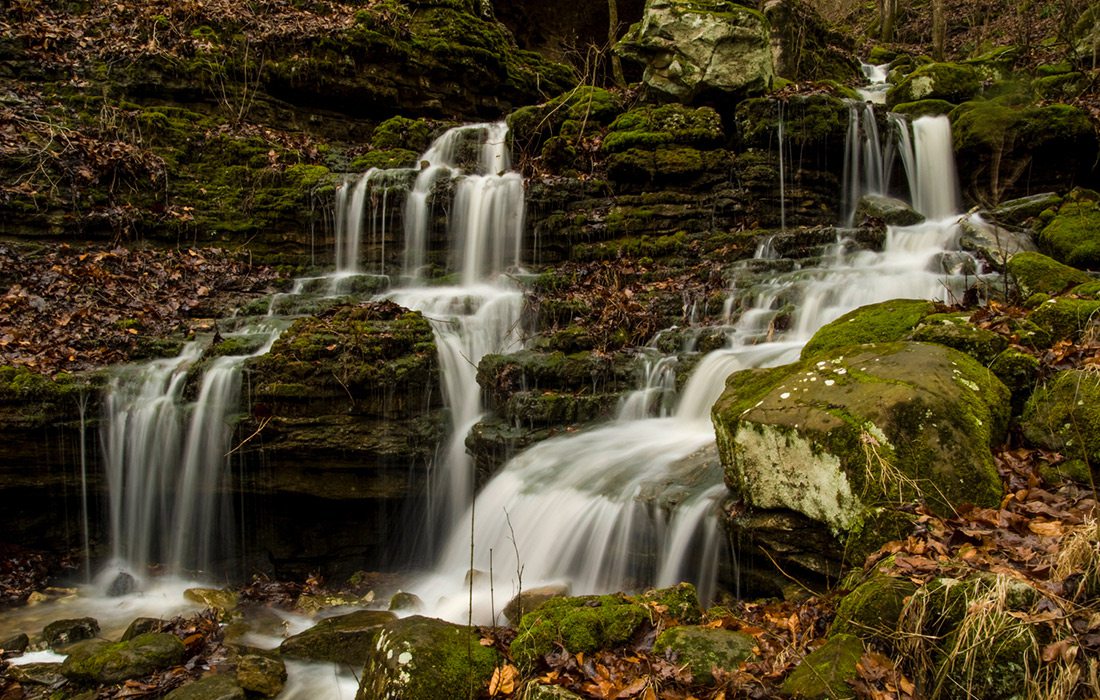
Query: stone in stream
[[98, 661], [344, 639], [62, 632], [261, 674], [217, 687], [889, 210], [17, 643]]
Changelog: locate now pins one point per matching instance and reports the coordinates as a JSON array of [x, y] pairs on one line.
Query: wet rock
[[97, 661], [17, 643], [702, 650], [825, 672], [1017, 212], [346, 639], [48, 675], [951, 82], [123, 584], [428, 659], [262, 675], [62, 632], [844, 433], [530, 600], [580, 624], [142, 625], [992, 243], [222, 600], [403, 600], [694, 49], [889, 210], [216, 687], [1035, 273]]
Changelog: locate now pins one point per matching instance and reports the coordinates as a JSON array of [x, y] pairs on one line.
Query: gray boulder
[[889, 210], [693, 48]]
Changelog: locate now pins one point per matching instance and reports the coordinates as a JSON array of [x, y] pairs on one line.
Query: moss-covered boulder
[[581, 624], [679, 603], [952, 82], [811, 121], [100, 662], [531, 599], [1017, 212], [844, 435], [825, 672], [1063, 415], [805, 46], [555, 130], [1073, 236], [703, 649], [261, 674], [956, 331], [700, 48], [1019, 371], [420, 657], [889, 210], [874, 323], [346, 639], [924, 108], [998, 141], [872, 609], [1065, 318], [215, 687], [1035, 273]]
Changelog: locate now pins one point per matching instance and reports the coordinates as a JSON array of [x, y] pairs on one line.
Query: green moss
[[825, 672], [679, 602], [1066, 319], [402, 133], [814, 120], [650, 126], [871, 611], [583, 624], [924, 108], [956, 331], [385, 159], [702, 650], [1036, 273], [951, 82], [885, 321], [97, 661], [1088, 290], [1019, 372], [1073, 237], [1063, 415]]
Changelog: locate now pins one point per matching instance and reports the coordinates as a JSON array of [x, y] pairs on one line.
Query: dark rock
[[17, 644], [123, 584], [101, 662], [262, 675], [62, 632], [346, 639], [143, 625], [216, 687], [889, 210]]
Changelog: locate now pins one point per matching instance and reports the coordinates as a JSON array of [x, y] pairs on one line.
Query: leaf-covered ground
[[75, 309]]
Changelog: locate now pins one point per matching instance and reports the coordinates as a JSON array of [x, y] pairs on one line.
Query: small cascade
[[633, 503], [929, 162], [863, 163], [658, 387], [876, 88]]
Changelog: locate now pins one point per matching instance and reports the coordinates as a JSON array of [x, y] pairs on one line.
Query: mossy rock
[[537, 691], [813, 120], [872, 609], [402, 133], [924, 108], [650, 126], [223, 600], [101, 662], [825, 672], [956, 331], [530, 600], [1073, 237], [581, 624], [1019, 371], [1017, 212], [427, 659], [1066, 319], [951, 82], [889, 210], [216, 687], [988, 659], [346, 639], [530, 127], [846, 435], [874, 323], [703, 649], [1088, 290], [679, 602], [262, 675], [1036, 273], [1063, 415]]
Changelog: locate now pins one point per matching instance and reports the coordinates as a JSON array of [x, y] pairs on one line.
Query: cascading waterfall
[[632, 503], [863, 164], [481, 314]]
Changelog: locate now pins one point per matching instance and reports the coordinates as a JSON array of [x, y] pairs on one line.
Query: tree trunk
[[612, 37], [889, 17], [939, 29]]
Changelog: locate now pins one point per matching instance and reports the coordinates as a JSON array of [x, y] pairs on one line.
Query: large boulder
[[844, 435], [1073, 236], [951, 82], [890, 210], [804, 47], [102, 662], [428, 659], [1035, 273], [345, 639], [700, 48]]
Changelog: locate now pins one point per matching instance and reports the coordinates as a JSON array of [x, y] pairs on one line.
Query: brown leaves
[[73, 309]]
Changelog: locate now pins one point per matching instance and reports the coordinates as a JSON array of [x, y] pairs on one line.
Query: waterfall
[[929, 162], [863, 165], [633, 503]]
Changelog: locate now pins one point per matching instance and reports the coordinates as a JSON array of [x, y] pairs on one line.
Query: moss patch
[[875, 323], [583, 624], [1036, 273], [1073, 237]]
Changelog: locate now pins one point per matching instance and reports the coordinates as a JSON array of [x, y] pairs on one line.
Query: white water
[[574, 509], [876, 88], [863, 163]]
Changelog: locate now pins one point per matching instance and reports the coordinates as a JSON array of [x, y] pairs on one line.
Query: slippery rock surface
[[346, 639], [428, 659], [692, 48], [842, 434], [99, 661]]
